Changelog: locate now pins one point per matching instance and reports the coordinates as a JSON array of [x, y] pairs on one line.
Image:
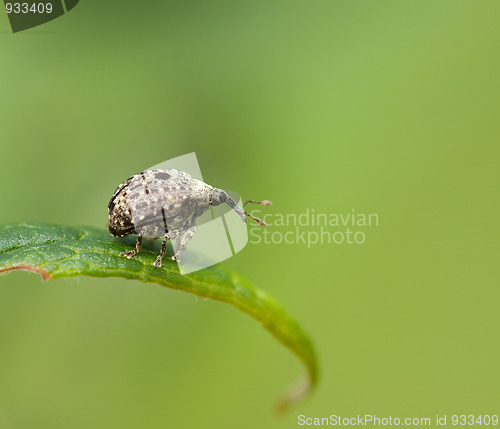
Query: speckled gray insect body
[[165, 203]]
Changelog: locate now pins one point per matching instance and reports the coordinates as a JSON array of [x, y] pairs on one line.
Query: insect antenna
[[263, 203]]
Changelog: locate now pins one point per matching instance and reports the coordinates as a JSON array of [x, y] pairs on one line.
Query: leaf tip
[[295, 394]]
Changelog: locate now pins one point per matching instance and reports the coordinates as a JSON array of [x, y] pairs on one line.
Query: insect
[[165, 203]]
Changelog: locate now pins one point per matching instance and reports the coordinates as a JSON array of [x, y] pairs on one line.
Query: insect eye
[[222, 197]]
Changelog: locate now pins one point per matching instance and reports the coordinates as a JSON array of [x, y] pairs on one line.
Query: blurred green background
[[387, 107]]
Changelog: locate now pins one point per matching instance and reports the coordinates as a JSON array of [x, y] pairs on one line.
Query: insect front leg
[[138, 248], [157, 263], [189, 234]]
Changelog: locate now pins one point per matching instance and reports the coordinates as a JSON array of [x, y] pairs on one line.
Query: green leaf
[[58, 251]]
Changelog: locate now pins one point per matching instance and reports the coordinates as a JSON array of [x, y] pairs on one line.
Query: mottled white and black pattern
[[165, 203]]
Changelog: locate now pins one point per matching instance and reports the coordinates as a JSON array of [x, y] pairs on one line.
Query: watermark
[[374, 420], [28, 14], [207, 225], [311, 228]]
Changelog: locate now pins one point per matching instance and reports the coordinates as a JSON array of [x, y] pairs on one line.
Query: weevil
[[165, 203]]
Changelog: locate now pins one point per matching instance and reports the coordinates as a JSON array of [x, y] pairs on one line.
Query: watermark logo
[[207, 225], [28, 14]]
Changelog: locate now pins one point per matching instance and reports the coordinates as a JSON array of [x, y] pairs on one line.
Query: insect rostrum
[[165, 203]]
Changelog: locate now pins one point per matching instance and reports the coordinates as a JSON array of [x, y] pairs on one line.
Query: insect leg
[[138, 248], [177, 244], [189, 234], [157, 263]]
